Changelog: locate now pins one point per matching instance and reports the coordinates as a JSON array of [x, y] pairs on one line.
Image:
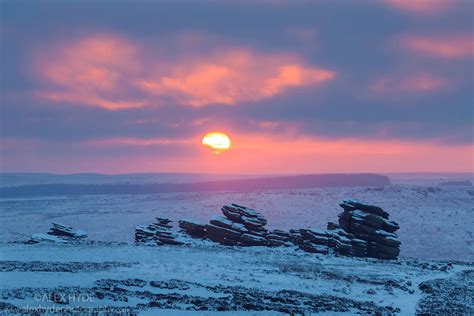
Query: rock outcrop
[[372, 229], [158, 232], [239, 226], [363, 231], [192, 228], [59, 233]]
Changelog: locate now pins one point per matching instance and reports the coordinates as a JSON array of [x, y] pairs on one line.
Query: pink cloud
[[114, 73], [231, 77], [415, 83], [446, 47], [90, 71], [421, 6]]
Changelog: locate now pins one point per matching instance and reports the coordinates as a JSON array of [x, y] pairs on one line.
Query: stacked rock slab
[[193, 228], [311, 240], [158, 232], [59, 233], [278, 238], [369, 229], [240, 226]]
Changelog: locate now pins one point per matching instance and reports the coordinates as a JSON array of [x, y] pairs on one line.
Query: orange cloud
[[452, 47], [232, 76], [114, 73], [421, 6], [417, 83]]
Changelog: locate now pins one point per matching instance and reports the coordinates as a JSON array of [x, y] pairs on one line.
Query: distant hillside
[[282, 182], [10, 179]]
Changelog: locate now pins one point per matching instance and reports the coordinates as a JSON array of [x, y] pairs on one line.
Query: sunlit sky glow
[[299, 86]]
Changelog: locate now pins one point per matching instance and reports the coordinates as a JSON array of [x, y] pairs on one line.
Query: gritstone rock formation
[[364, 231], [59, 233], [158, 232], [371, 228], [240, 226]]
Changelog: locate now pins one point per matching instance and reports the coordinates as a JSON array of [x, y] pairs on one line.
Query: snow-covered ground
[[435, 272], [436, 222], [215, 278]]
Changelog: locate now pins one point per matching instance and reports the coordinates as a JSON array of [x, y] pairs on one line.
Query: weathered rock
[[370, 224], [158, 232], [239, 227], [222, 235], [231, 214], [193, 229], [162, 240], [352, 205], [239, 221], [59, 233], [314, 248], [319, 237], [332, 226], [221, 222], [252, 240], [244, 215]]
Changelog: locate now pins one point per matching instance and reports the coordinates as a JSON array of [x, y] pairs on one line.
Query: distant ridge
[[239, 185]]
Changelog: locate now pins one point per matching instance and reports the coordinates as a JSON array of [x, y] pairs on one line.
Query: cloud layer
[[299, 86], [114, 73]]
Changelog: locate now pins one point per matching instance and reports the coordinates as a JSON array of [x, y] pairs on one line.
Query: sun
[[219, 142]]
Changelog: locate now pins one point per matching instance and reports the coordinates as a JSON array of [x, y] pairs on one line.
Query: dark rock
[[332, 226], [314, 248], [59, 233], [319, 237], [352, 205], [252, 240], [231, 214], [222, 235], [221, 222], [193, 229], [158, 232]]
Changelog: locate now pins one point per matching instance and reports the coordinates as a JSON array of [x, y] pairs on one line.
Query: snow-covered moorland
[[434, 274]]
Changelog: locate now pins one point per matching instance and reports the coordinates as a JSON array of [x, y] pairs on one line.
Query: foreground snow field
[[217, 278], [435, 272]]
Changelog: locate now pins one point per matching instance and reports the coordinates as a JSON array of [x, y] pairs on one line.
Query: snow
[[257, 268], [435, 222]]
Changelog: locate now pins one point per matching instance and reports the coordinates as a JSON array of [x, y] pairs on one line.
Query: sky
[[298, 86]]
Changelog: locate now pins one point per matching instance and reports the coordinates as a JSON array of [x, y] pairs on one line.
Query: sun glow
[[219, 142]]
